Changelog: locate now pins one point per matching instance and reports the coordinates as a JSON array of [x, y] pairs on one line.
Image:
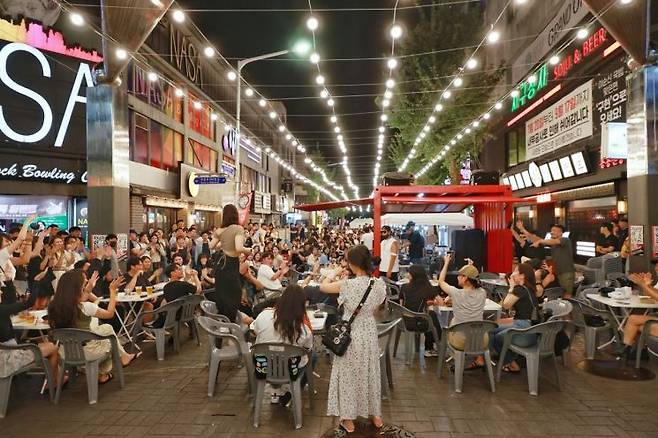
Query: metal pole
[[238, 97]]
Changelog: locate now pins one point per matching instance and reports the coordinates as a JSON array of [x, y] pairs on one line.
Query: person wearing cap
[[416, 244], [467, 301]]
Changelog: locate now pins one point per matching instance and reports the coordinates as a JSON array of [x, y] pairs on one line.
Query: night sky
[[342, 34]]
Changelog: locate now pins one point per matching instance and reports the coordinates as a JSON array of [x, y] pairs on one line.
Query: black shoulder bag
[[338, 338]]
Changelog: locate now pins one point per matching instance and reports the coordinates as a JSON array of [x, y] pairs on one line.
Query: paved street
[[169, 399]]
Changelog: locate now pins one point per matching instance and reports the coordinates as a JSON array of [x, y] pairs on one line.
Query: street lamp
[[301, 48]]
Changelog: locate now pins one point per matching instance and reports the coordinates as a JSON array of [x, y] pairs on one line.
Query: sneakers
[[275, 399], [431, 353]]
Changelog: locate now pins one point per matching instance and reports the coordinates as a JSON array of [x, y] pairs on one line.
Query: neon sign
[[528, 91], [589, 46]]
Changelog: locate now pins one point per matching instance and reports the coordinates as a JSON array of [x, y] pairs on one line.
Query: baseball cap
[[469, 271]]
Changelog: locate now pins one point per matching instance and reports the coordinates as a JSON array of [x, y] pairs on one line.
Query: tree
[[439, 31]]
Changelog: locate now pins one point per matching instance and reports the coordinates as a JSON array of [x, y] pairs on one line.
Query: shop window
[[140, 139], [169, 142], [515, 143], [202, 156], [198, 119]]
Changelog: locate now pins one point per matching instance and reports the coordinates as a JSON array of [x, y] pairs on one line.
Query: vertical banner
[[637, 240], [244, 205]]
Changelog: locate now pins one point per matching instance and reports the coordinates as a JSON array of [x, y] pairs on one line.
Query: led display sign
[[528, 90]]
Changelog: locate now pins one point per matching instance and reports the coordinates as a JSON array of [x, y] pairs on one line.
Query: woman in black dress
[[229, 242]]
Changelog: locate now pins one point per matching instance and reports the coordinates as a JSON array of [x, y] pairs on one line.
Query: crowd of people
[[263, 277]]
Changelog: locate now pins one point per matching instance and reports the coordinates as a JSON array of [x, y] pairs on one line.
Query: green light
[[528, 91], [302, 47]]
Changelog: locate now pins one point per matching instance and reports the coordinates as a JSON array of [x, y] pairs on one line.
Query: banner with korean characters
[[566, 121], [609, 93]]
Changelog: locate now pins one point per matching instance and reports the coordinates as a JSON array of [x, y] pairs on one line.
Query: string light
[[262, 103], [121, 54], [76, 19], [209, 52], [231, 76], [396, 31], [178, 15], [152, 76], [315, 58], [312, 23]]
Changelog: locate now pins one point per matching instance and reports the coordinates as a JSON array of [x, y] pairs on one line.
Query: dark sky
[[342, 34]]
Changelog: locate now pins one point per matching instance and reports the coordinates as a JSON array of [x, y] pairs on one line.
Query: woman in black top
[[522, 301], [414, 296]]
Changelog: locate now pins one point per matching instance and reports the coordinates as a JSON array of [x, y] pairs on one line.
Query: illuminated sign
[[528, 90], [588, 47], [538, 175], [544, 198], [41, 172], [185, 56]]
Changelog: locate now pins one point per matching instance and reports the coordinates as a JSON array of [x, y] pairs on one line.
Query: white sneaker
[[431, 353], [275, 399]]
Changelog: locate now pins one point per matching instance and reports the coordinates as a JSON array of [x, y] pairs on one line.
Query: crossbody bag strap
[[362, 302]]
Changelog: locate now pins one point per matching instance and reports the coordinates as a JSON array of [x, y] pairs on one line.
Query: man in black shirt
[[606, 242], [416, 244], [176, 287], [134, 278]]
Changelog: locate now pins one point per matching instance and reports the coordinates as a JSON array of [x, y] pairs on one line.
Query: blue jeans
[[496, 338]]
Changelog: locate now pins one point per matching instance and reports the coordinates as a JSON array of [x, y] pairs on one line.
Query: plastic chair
[[392, 289], [554, 293], [579, 312], [209, 309], [647, 340], [188, 307], [412, 338], [39, 363], [544, 347], [235, 348], [278, 356], [474, 333], [559, 309], [488, 276], [73, 341], [171, 327], [384, 335]]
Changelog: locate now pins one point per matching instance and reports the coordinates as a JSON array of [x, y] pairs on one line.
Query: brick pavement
[[169, 399]]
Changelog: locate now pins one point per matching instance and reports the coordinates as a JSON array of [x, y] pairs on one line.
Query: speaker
[[397, 179], [469, 244], [485, 177]]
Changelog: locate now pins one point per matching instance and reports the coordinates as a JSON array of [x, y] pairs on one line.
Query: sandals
[[342, 426], [103, 382], [508, 369], [475, 365], [137, 355]]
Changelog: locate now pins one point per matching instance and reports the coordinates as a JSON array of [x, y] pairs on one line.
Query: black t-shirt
[[178, 289], [141, 282], [525, 305], [415, 298], [534, 252], [606, 242], [417, 243]]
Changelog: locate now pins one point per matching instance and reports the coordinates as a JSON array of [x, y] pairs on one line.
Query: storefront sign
[[528, 91], [570, 14], [210, 179], [244, 206], [568, 120], [228, 166], [41, 171], [544, 198], [49, 210], [192, 186], [610, 95], [539, 174], [185, 56], [591, 45], [637, 239]]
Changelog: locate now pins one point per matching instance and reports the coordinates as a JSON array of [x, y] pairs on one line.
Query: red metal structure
[[492, 206]]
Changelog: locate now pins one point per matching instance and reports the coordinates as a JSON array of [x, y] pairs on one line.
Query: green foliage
[[337, 213], [421, 80]]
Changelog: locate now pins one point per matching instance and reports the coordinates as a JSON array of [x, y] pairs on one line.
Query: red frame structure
[[492, 212]]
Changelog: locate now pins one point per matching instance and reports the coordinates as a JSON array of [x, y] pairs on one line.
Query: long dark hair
[[289, 313], [359, 255], [419, 277], [229, 215], [529, 276], [64, 306]]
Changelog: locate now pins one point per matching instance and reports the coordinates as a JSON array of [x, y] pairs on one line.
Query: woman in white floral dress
[[355, 386]]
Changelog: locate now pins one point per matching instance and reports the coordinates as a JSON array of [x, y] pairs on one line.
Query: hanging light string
[[580, 34], [211, 53], [395, 32], [312, 23], [492, 36]]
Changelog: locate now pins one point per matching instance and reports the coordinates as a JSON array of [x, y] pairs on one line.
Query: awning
[[448, 219]]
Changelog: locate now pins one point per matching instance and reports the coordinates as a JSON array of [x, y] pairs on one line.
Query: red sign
[[244, 205], [606, 163], [589, 46]]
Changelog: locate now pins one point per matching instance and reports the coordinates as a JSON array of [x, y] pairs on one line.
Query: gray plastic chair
[[278, 373], [384, 335], [73, 341], [554, 293], [488, 276], [580, 309], [235, 348], [39, 363], [209, 309], [187, 315], [171, 327], [474, 333], [559, 309], [647, 340], [412, 338], [392, 290], [543, 348]]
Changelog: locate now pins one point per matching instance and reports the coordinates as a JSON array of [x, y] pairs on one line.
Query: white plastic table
[[39, 324], [626, 307], [317, 324], [404, 281], [131, 300], [443, 312]]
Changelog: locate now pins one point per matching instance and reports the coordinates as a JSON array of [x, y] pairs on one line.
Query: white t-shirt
[[386, 254], [89, 308], [367, 239], [265, 274], [263, 326]]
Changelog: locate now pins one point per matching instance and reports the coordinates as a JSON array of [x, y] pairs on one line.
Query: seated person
[[270, 280], [415, 295], [152, 276], [287, 323], [176, 287], [467, 300], [635, 323], [134, 279], [546, 278]]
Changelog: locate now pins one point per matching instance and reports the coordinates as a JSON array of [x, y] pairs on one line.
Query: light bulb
[[498, 105], [121, 54], [178, 92], [231, 76], [515, 93], [486, 116], [396, 31], [582, 34], [390, 83], [178, 15], [77, 19], [388, 94], [262, 103], [382, 129], [197, 105], [152, 76], [392, 63], [282, 128], [333, 119], [213, 117], [493, 36], [432, 119], [337, 129], [248, 92], [319, 79], [312, 23], [532, 79], [471, 63], [458, 82], [315, 58], [383, 117], [555, 60], [272, 115], [330, 102], [209, 52], [438, 107], [447, 94], [386, 103]]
